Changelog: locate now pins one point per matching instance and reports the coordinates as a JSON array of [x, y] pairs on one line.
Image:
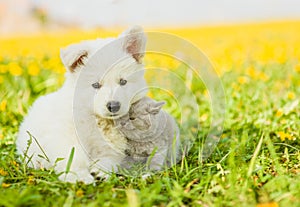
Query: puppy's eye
[[96, 85], [132, 118], [123, 82]]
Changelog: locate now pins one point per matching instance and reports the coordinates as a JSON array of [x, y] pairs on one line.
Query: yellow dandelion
[[60, 69], [271, 204], [251, 72], [30, 180], [14, 163], [297, 68], [33, 69], [3, 105], [3, 172], [279, 113], [204, 117], [15, 69], [3, 68], [5, 185], [291, 95], [1, 136], [150, 94], [173, 64], [281, 59], [1, 79], [283, 136], [79, 193], [263, 76], [243, 79]]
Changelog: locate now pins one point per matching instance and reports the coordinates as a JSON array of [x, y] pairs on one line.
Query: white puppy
[[104, 77]]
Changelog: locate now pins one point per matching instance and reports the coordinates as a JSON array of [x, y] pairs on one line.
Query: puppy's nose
[[113, 106]]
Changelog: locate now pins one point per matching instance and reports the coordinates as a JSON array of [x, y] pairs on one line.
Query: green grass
[[250, 165]]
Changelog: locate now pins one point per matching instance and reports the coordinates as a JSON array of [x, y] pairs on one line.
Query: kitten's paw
[[147, 175], [99, 175]]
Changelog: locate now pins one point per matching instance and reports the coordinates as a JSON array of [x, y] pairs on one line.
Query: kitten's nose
[[113, 106]]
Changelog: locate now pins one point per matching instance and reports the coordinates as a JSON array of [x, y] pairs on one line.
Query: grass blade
[[70, 160]]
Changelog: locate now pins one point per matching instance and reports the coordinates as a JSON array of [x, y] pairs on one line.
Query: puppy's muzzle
[[113, 106]]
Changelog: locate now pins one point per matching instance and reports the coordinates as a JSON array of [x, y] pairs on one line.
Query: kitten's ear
[[135, 42], [74, 56], [155, 107]]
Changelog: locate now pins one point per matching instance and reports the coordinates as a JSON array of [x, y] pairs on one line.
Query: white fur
[[76, 115]]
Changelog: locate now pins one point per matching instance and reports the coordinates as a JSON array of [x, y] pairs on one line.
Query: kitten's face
[[134, 122], [140, 121]]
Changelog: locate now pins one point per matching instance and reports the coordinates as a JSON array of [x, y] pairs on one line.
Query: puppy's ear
[[74, 56], [135, 42], [155, 107]]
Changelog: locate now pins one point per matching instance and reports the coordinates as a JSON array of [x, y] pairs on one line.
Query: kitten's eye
[[132, 118], [96, 85], [123, 82]]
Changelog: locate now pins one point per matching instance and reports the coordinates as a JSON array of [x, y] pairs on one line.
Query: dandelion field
[[256, 163]]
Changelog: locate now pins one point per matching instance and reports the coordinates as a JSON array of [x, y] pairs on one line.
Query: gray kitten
[[151, 134]]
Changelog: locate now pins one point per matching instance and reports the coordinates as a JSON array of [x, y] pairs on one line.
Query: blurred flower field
[[265, 56], [259, 65]]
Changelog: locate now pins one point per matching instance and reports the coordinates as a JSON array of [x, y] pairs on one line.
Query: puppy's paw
[[73, 177]]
